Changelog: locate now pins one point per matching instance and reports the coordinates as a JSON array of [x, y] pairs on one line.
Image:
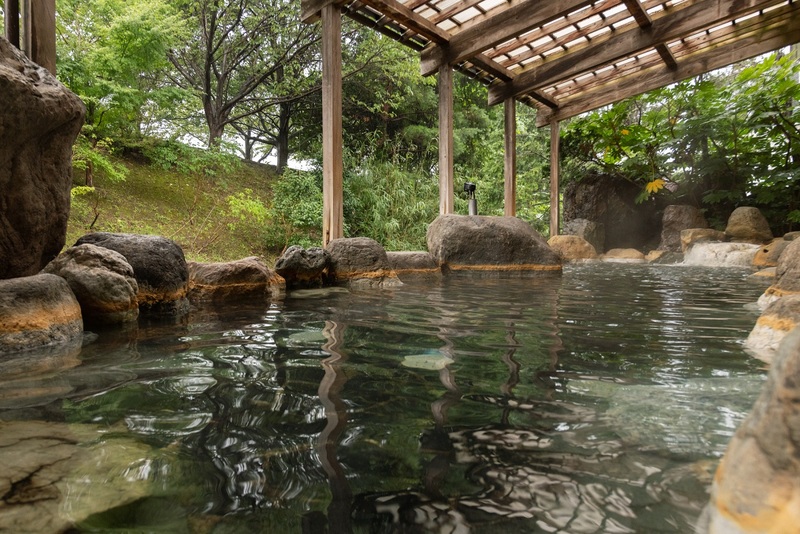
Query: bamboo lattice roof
[[566, 57]]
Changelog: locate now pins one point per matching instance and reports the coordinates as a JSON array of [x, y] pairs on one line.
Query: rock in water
[[572, 247], [102, 281], [360, 262], [159, 266], [39, 122], [248, 278], [748, 225], [303, 268], [478, 243], [676, 219], [591, 231], [757, 484], [712, 254], [36, 311], [780, 318]]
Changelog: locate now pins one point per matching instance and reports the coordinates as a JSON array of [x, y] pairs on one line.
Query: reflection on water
[[599, 401]]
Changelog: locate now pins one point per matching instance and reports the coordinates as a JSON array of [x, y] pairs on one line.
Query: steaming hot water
[[598, 401]]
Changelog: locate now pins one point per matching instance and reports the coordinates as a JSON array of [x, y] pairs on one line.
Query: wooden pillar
[[554, 175], [11, 16], [43, 33], [446, 191], [26, 43], [332, 214], [510, 160]]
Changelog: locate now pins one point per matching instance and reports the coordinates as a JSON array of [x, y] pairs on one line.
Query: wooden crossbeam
[[783, 31], [513, 21], [678, 24], [417, 23], [643, 19]]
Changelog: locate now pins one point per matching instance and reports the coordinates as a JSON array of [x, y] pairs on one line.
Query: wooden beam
[[446, 190], [510, 159], [644, 21], [310, 9], [43, 34], [555, 207], [675, 25], [26, 40], [332, 200], [417, 23], [761, 40], [11, 17], [501, 27]]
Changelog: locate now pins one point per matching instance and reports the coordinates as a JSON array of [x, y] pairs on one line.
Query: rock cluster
[[38, 125]]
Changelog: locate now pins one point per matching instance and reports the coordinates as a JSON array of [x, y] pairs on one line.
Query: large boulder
[[713, 254], [676, 219], [781, 317], [36, 311], [303, 268], [591, 231], [248, 278], [757, 485], [360, 262], [611, 202], [158, 265], [572, 247], [747, 224], [39, 122], [479, 243], [102, 281]]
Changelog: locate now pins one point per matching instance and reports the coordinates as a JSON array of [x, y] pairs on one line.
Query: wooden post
[[12, 21], [332, 214], [26, 42], [446, 192], [510, 160], [43, 33], [554, 175]]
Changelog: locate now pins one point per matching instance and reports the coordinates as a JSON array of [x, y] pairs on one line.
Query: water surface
[[597, 401]]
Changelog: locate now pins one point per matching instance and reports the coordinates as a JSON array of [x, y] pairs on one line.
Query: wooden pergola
[[30, 25], [563, 57]]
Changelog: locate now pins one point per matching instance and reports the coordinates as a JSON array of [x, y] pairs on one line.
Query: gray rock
[[479, 243], [102, 281], [791, 236], [676, 219], [591, 231], [37, 311], [248, 278], [360, 262], [303, 268], [158, 265], [757, 484], [611, 202], [39, 122], [748, 225], [414, 264]]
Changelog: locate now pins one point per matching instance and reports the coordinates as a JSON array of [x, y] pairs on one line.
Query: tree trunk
[[282, 139], [90, 173]]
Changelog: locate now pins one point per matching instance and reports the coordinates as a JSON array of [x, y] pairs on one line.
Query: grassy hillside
[[189, 204]]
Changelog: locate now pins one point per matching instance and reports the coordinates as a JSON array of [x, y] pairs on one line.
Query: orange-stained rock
[[780, 318], [757, 485], [248, 278], [690, 236], [768, 255], [623, 255], [37, 311], [572, 247], [360, 262]]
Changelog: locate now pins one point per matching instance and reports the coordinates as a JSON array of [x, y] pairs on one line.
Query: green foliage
[[718, 141], [93, 156], [296, 212], [190, 160]]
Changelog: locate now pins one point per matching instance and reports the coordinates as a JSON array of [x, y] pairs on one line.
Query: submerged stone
[[431, 362]]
